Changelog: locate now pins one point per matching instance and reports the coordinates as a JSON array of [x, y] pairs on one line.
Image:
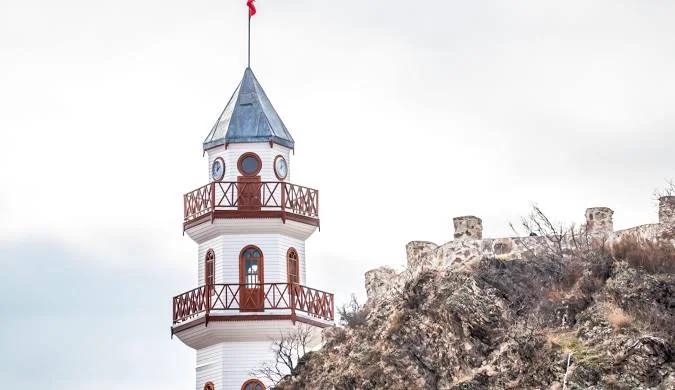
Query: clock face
[[218, 169], [280, 167]]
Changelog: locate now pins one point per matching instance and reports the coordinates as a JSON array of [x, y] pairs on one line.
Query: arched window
[[209, 386], [251, 279], [253, 384], [293, 266], [210, 268], [251, 264]]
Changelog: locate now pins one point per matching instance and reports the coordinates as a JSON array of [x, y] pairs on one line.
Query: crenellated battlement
[[468, 244], [667, 209]]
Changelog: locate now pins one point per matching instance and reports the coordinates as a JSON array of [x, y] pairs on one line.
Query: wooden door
[[248, 188], [251, 287]]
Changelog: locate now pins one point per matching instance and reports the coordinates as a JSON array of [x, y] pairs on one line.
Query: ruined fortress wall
[[469, 245]]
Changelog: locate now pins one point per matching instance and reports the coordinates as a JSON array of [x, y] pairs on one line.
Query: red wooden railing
[[259, 297], [269, 195]]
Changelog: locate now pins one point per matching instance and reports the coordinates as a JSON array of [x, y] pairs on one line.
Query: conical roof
[[249, 117]]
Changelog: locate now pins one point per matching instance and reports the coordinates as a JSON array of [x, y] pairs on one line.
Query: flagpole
[[251, 12], [249, 40]]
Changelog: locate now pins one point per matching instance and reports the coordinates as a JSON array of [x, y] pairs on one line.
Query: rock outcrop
[[488, 314]]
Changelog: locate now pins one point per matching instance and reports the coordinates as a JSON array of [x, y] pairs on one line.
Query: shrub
[[618, 319], [572, 271], [353, 314], [655, 318], [601, 267], [653, 257], [589, 284]]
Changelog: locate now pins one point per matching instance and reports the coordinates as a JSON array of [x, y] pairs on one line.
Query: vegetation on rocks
[[494, 324]]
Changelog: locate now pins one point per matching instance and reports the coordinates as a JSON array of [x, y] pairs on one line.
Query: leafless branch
[[353, 314], [667, 190], [288, 349], [538, 224]]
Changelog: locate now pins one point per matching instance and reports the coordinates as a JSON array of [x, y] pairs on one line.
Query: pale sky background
[[405, 114]]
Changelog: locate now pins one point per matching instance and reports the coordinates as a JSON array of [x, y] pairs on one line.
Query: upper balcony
[[251, 199]]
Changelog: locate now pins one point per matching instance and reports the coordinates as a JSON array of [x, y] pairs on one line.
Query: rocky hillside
[[496, 324]]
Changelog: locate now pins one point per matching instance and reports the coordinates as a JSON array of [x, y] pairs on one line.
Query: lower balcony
[[242, 302]]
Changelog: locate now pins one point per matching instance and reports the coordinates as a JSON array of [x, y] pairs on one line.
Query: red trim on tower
[[248, 317], [264, 214]]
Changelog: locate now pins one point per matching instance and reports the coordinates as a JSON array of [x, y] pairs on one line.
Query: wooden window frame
[[241, 160], [242, 266], [251, 382], [288, 265], [206, 267]]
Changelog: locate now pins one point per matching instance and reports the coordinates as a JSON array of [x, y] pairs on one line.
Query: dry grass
[[618, 319], [395, 322], [556, 294], [653, 257], [568, 342]]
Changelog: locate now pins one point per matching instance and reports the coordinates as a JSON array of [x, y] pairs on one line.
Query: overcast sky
[[405, 114]]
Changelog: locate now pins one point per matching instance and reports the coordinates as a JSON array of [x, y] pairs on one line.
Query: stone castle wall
[[469, 245]]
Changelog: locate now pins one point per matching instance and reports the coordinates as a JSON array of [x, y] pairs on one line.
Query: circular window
[[249, 164], [280, 167], [218, 169]]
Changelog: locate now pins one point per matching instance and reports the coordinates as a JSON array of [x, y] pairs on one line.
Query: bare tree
[[572, 250], [667, 190], [288, 350], [538, 224], [353, 314]]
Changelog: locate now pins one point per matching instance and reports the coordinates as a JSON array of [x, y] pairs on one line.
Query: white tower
[[251, 224]]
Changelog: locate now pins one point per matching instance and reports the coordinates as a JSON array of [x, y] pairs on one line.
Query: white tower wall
[[228, 365], [273, 246], [266, 153]]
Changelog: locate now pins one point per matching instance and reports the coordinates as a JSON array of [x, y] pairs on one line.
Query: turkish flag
[[251, 7]]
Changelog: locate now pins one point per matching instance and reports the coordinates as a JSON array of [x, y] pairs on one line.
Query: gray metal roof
[[249, 117]]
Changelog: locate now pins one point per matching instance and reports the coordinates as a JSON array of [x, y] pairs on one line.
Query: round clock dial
[[218, 169], [280, 167]]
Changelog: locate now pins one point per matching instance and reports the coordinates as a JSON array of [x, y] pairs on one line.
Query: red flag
[[251, 7]]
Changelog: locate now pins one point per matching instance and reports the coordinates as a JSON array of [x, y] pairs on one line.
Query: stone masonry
[[599, 220], [667, 209], [468, 228], [469, 245]]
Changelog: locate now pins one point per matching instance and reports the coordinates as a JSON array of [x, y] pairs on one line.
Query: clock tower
[[250, 223]]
